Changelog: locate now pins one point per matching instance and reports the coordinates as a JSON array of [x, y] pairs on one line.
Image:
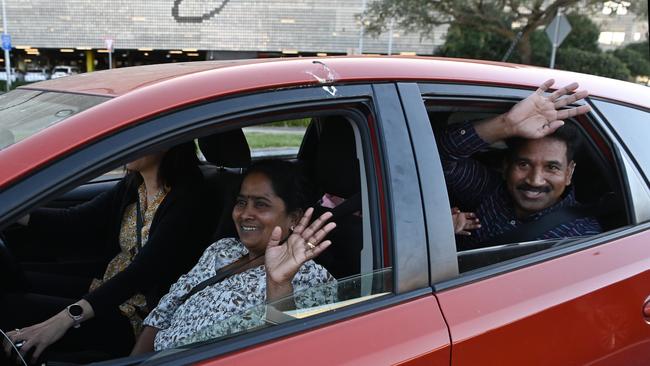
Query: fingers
[[302, 224], [572, 112], [316, 225], [276, 236], [559, 103], [318, 249], [544, 87], [563, 91]]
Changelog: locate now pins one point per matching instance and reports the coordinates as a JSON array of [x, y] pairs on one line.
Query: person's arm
[[175, 243], [144, 343], [38, 337], [468, 181]]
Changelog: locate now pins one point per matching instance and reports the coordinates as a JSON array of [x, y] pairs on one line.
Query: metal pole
[[363, 26], [7, 61], [390, 37], [556, 34], [110, 58]]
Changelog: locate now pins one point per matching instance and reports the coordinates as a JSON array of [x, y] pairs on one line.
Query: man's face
[[537, 175]]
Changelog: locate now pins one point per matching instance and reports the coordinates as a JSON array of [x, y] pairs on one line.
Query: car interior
[[596, 182]]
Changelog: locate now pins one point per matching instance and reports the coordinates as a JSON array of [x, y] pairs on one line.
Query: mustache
[[528, 187]]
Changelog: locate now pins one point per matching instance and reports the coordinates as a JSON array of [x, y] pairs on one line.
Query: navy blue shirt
[[482, 190]]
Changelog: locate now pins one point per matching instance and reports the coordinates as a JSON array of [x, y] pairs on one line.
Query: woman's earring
[[292, 228]]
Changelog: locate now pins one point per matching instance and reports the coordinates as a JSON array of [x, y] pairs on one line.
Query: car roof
[[144, 91]]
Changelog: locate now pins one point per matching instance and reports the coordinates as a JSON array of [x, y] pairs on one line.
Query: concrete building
[[46, 32]]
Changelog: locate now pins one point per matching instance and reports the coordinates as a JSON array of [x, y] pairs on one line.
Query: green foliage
[[636, 62], [260, 140], [584, 33], [470, 42], [303, 122], [595, 63]]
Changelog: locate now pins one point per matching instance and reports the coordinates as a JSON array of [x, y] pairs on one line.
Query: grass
[[258, 140], [303, 122]]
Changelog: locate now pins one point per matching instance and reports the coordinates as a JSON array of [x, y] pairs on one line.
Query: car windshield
[[60, 69], [25, 112]]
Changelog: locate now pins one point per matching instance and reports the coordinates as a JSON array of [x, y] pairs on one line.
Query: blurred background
[[48, 39]]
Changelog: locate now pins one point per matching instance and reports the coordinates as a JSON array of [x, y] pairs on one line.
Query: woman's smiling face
[[257, 211]]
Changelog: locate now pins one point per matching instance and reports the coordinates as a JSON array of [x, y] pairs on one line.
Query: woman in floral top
[[270, 260]]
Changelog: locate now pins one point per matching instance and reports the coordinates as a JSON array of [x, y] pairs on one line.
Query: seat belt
[[534, 229]]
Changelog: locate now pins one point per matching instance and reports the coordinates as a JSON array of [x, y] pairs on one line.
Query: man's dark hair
[[568, 134]]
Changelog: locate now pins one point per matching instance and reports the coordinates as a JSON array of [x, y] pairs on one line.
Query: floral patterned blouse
[[134, 308], [220, 309]]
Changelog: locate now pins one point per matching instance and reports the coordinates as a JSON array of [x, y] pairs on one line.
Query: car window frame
[[88, 161], [513, 94]]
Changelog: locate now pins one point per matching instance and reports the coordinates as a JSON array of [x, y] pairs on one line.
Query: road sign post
[[109, 46], [557, 31], [6, 45]]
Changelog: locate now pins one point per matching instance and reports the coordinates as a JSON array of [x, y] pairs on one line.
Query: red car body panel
[[148, 90], [582, 308], [413, 331]]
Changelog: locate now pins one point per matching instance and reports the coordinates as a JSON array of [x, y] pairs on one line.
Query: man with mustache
[[537, 170]]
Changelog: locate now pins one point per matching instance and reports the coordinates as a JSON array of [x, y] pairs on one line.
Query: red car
[[405, 294]]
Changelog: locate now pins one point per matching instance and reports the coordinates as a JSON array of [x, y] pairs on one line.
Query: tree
[[603, 64], [504, 18], [637, 62]]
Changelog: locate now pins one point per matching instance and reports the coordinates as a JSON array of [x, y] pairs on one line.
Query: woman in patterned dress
[[165, 189], [270, 259]]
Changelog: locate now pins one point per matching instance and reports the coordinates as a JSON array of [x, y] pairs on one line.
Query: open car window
[[595, 184]]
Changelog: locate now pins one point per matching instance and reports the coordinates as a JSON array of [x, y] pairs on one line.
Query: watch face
[[75, 310]]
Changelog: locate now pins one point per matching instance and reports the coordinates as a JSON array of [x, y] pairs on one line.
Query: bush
[[602, 64], [636, 62]]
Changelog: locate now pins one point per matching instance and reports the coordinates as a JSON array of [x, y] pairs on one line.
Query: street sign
[[109, 44], [6, 42], [558, 30]]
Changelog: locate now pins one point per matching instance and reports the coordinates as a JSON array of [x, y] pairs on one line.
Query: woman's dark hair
[[288, 182], [179, 165]]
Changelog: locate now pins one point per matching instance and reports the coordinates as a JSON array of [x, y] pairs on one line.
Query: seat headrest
[[337, 166], [228, 149]]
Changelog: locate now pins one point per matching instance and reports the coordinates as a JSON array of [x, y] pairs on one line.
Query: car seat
[[337, 173], [228, 155]]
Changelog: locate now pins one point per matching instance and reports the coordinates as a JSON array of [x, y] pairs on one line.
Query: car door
[[403, 324], [575, 304], [407, 328]]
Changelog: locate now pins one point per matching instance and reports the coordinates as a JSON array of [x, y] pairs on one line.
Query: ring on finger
[[310, 245]]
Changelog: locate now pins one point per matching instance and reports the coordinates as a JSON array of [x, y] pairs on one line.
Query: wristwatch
[[75, 311]]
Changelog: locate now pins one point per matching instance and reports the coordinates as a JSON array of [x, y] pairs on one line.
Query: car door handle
[[646, 309]]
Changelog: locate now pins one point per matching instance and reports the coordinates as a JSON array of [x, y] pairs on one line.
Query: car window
[[633, 125], [25, 112], [594, 186], [279, 139]]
